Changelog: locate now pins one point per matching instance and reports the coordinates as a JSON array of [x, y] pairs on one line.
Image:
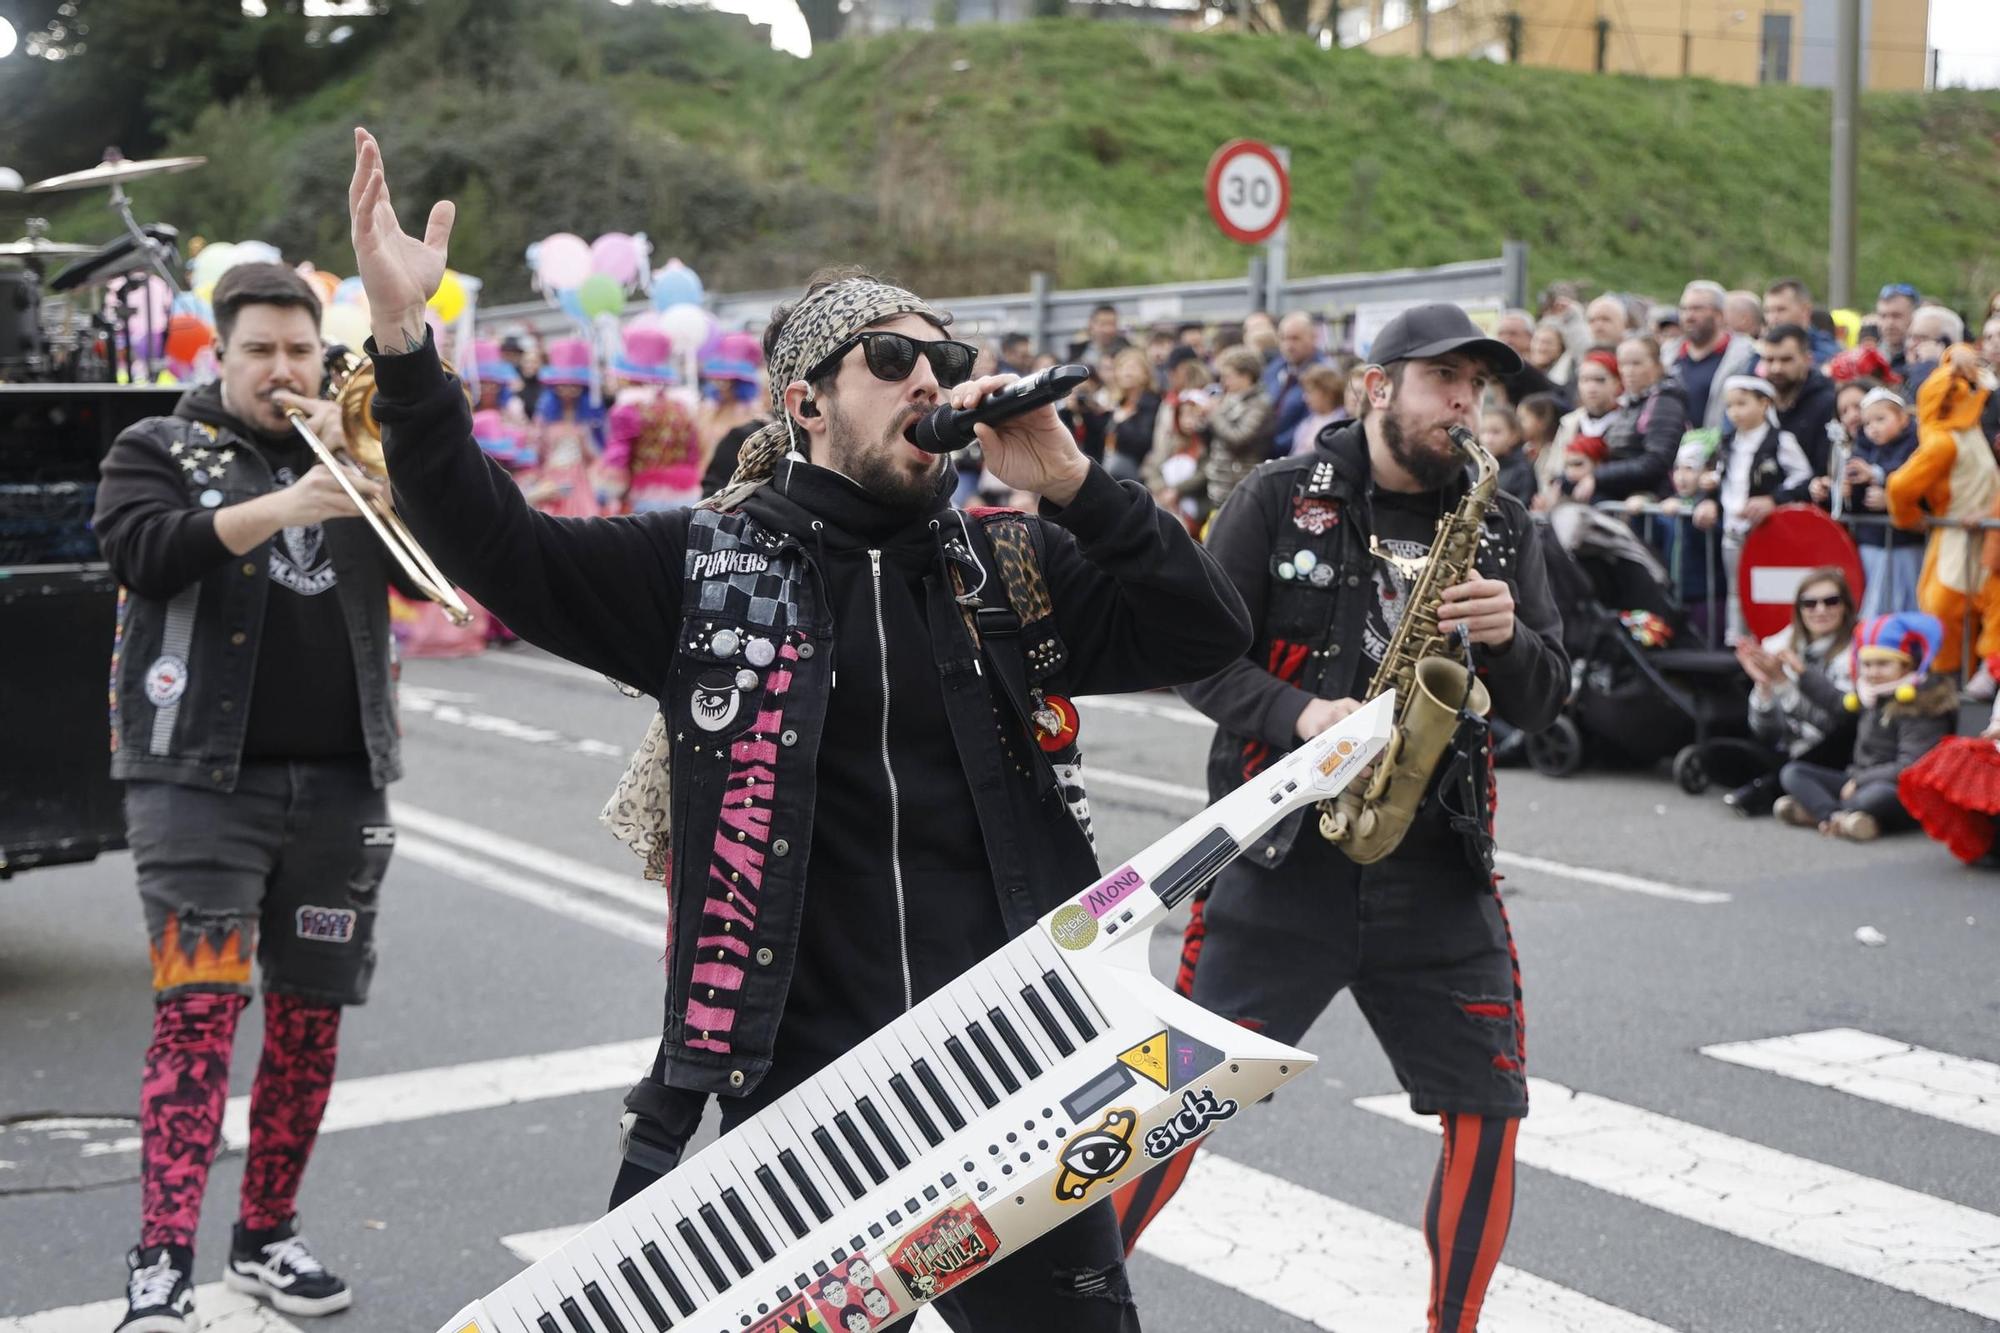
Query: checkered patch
[[741, 572]]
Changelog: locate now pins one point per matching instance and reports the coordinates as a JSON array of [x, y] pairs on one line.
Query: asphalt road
[[1686, 1189]]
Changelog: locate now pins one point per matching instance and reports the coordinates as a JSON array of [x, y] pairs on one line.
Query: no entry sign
[[1778, 554], [1249, 190]]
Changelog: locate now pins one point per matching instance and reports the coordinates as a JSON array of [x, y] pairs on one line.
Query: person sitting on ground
[[1903, 709], [1762, 467], [1800, 678]]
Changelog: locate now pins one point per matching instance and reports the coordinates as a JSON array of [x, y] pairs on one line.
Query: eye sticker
[[1095, 1155], [715, 700]]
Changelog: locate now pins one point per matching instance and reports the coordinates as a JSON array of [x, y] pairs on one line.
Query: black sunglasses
[[892, 356], [1821, 603]]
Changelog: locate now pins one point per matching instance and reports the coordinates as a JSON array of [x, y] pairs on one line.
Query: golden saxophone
[[1431, 682]]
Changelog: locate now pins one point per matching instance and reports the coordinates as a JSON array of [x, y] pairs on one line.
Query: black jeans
[[1817, 788]]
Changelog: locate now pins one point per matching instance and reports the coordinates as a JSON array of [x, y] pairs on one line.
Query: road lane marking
[[1145, 705], [440, 706], [1945, 1087], [633, 889], [1934, 1248], [1328, 1263], [584, 909], [220, 1309]]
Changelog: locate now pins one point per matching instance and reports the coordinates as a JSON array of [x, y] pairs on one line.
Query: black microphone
[[946, 429]]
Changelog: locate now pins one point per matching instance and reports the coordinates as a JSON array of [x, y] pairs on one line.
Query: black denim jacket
[[190, 614], [1307, 615]]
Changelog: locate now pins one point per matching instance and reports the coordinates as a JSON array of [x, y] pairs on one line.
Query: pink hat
[[568, 362], [736, 357], [648, 358], [489, 363]]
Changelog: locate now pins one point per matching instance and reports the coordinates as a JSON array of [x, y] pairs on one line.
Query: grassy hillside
[[964, 159]]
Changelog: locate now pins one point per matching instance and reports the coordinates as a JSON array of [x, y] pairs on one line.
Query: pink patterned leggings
[[186, 1086]]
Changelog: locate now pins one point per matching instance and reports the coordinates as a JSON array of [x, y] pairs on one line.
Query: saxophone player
[[1325, 549]]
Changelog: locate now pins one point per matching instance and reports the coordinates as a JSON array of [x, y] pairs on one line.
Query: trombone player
[[253, 723]]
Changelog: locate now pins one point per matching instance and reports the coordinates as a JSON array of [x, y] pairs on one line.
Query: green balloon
[[600, 295]]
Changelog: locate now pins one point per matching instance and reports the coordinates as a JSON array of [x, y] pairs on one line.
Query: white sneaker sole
[[284, 1301], [163, 1323]]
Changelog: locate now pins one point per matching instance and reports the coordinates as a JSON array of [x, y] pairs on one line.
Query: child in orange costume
[[1952, 474]]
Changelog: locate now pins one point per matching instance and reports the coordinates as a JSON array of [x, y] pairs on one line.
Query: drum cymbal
[[113, 173], [36, 247]]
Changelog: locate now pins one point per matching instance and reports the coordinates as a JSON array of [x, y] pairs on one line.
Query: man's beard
[[875, 468], [1431, 470]]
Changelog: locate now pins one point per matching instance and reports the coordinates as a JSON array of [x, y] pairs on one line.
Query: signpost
[[1249, 194]]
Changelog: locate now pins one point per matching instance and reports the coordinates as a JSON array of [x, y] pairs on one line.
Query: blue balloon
[[572, 304], [348, 292], [676, 286]]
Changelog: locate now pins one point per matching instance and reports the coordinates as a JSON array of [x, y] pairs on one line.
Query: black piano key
[[1069, 1005], [644, 1292], [908, 1097], [699, 1249], [963, 1059], [1040, 1008], [786, 1208], [546, 1324], [796, 1170], [1018, 1048], [945, 1104], [852, 1133], [880, 1125], [574, 1313], [730, 1249], [748, 1225], [668, 1278], [600, 1303], [828, 1150], [993, 1060]]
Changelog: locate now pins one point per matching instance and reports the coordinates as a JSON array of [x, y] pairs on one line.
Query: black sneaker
[[277, 1266], [159, 1294]]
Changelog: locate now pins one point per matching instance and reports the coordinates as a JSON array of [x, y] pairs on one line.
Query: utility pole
[[1423, 27], [1846, 111], [1603, 43]]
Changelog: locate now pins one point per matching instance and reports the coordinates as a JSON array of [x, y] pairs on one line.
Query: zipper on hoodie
[[895, 806]]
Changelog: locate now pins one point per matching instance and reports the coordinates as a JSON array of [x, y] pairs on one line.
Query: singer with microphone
[[840, 847]]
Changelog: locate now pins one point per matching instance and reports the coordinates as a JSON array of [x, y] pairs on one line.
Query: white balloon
[[688, 325]]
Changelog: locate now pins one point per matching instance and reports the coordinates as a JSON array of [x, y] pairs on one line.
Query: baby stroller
[[1642, 684]]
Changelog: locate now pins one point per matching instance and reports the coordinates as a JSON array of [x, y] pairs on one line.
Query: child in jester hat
[[1905, 711]]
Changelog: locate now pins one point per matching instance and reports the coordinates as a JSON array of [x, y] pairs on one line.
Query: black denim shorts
[[287, 869], [1424, 943]]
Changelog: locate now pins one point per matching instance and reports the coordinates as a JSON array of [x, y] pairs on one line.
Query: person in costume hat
[[567, 433], [1954, 791], [651, 449], [730, 411], [499, 382], [1904, 708]]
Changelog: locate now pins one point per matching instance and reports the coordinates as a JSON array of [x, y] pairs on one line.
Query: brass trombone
[[354, 390]]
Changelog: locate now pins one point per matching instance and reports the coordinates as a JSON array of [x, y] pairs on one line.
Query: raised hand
[[399, 272]]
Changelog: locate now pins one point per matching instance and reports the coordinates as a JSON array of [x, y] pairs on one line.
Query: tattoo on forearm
[[412, 338]]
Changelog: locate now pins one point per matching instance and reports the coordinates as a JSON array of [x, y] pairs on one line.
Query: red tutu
[[1954, 792]]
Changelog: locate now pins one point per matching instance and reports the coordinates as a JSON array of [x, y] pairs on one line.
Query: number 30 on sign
[[1249, 190]]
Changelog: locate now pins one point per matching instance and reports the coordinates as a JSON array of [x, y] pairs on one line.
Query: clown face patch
[[716, 700], [1314, 515], [166, 680]]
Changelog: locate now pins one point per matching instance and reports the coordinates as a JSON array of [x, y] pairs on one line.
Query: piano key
[[695, 1246], [748, 1225], [547, 1325], [926, 1076], [908, 1097], [595, 1295], [786, 1208], [991, 1052], [890, 1144], [963, 1059], [1005, 1027], [1069, 1004], [730, 1249], [669, 1279], [573, 1313], [1043, 1015], [862, 1152], [642, 1291], [831, 1152], [789, 1160]]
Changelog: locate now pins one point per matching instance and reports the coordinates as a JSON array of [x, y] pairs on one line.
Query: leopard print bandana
[[817, 325]]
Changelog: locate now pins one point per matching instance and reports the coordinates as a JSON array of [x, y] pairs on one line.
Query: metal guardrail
[[1053, 317]]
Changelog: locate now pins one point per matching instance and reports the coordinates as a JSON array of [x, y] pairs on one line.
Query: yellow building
[[1736, 41]]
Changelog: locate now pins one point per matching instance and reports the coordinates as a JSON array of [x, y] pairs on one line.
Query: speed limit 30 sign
[[1249, 190]]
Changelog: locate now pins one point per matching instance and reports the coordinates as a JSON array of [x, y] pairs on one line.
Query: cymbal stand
[[155, 251]]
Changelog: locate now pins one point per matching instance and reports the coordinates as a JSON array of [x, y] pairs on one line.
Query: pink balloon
[[616, 256], [563, 261]]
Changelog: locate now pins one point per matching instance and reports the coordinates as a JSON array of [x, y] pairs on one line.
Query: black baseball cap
[[1426, 331]]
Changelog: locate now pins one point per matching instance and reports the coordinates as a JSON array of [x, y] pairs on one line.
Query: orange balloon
[[186, 337], [324, 285]]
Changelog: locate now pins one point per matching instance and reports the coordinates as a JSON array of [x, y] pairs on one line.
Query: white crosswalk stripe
[[1934, 1248], [1880, 1069], [220, 1309]]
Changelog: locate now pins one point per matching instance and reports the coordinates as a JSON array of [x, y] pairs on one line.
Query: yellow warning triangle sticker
[[1148, 1058]]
